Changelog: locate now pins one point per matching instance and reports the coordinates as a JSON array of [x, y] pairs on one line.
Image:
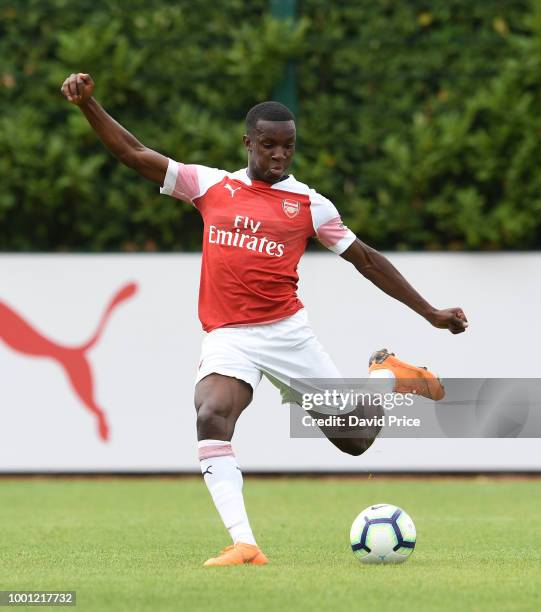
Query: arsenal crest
[[291, 208]]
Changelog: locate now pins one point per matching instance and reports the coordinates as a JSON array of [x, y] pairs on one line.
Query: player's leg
[[294, 360], [355, 440], [393, 376], [219, 401]]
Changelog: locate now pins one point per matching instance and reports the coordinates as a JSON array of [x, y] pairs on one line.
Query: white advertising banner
[[98, 355]]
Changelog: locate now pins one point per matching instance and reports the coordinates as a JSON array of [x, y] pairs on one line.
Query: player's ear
[[247, 142]]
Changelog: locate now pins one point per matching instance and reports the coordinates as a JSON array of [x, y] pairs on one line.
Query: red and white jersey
[[255, 234]]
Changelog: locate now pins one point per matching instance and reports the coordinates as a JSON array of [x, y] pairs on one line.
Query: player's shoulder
[[293, 185], [208, 176], [188, 182], [240, 175], [208, 173], [320, 205]]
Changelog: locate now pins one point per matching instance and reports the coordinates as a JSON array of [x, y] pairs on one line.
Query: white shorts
[[284, 352]]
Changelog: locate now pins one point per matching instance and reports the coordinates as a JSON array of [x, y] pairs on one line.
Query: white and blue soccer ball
[[383, 534]]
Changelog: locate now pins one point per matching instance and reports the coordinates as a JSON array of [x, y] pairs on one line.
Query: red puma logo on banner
[[19, 335]]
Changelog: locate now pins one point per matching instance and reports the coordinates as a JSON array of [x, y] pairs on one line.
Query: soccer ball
[[382, 534]]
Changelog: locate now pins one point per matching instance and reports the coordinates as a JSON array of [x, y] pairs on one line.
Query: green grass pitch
[[138, 544]]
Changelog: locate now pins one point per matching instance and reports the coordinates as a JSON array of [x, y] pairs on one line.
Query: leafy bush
[[420, 120]]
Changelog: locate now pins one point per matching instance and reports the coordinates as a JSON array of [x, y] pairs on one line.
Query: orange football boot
[[239, 554], [409, 378]]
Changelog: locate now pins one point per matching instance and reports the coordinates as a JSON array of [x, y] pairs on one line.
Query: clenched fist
[[78, 88], [452, 319]]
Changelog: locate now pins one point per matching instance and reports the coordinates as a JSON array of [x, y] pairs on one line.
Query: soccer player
[[257, 224]]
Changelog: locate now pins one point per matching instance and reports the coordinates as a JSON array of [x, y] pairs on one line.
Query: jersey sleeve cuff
[[343, 243], [170, 178]]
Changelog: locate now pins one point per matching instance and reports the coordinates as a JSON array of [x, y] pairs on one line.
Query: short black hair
[[267, 111]]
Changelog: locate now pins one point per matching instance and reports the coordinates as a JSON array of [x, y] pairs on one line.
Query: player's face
[[270, 148]]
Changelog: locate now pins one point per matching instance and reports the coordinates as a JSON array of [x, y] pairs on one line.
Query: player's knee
[[356, 446], [356, 449], [366, 435], [212, 415]]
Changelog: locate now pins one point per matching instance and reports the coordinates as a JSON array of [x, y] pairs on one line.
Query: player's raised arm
[[380, 271], [78, 89]]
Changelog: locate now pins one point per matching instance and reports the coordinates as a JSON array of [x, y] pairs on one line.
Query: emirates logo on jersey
[[291, 208]]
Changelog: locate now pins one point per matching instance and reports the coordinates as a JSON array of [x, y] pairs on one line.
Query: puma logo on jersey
[[228, 186]]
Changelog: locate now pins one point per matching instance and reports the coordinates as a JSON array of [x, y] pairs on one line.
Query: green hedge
[[420, 120]]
